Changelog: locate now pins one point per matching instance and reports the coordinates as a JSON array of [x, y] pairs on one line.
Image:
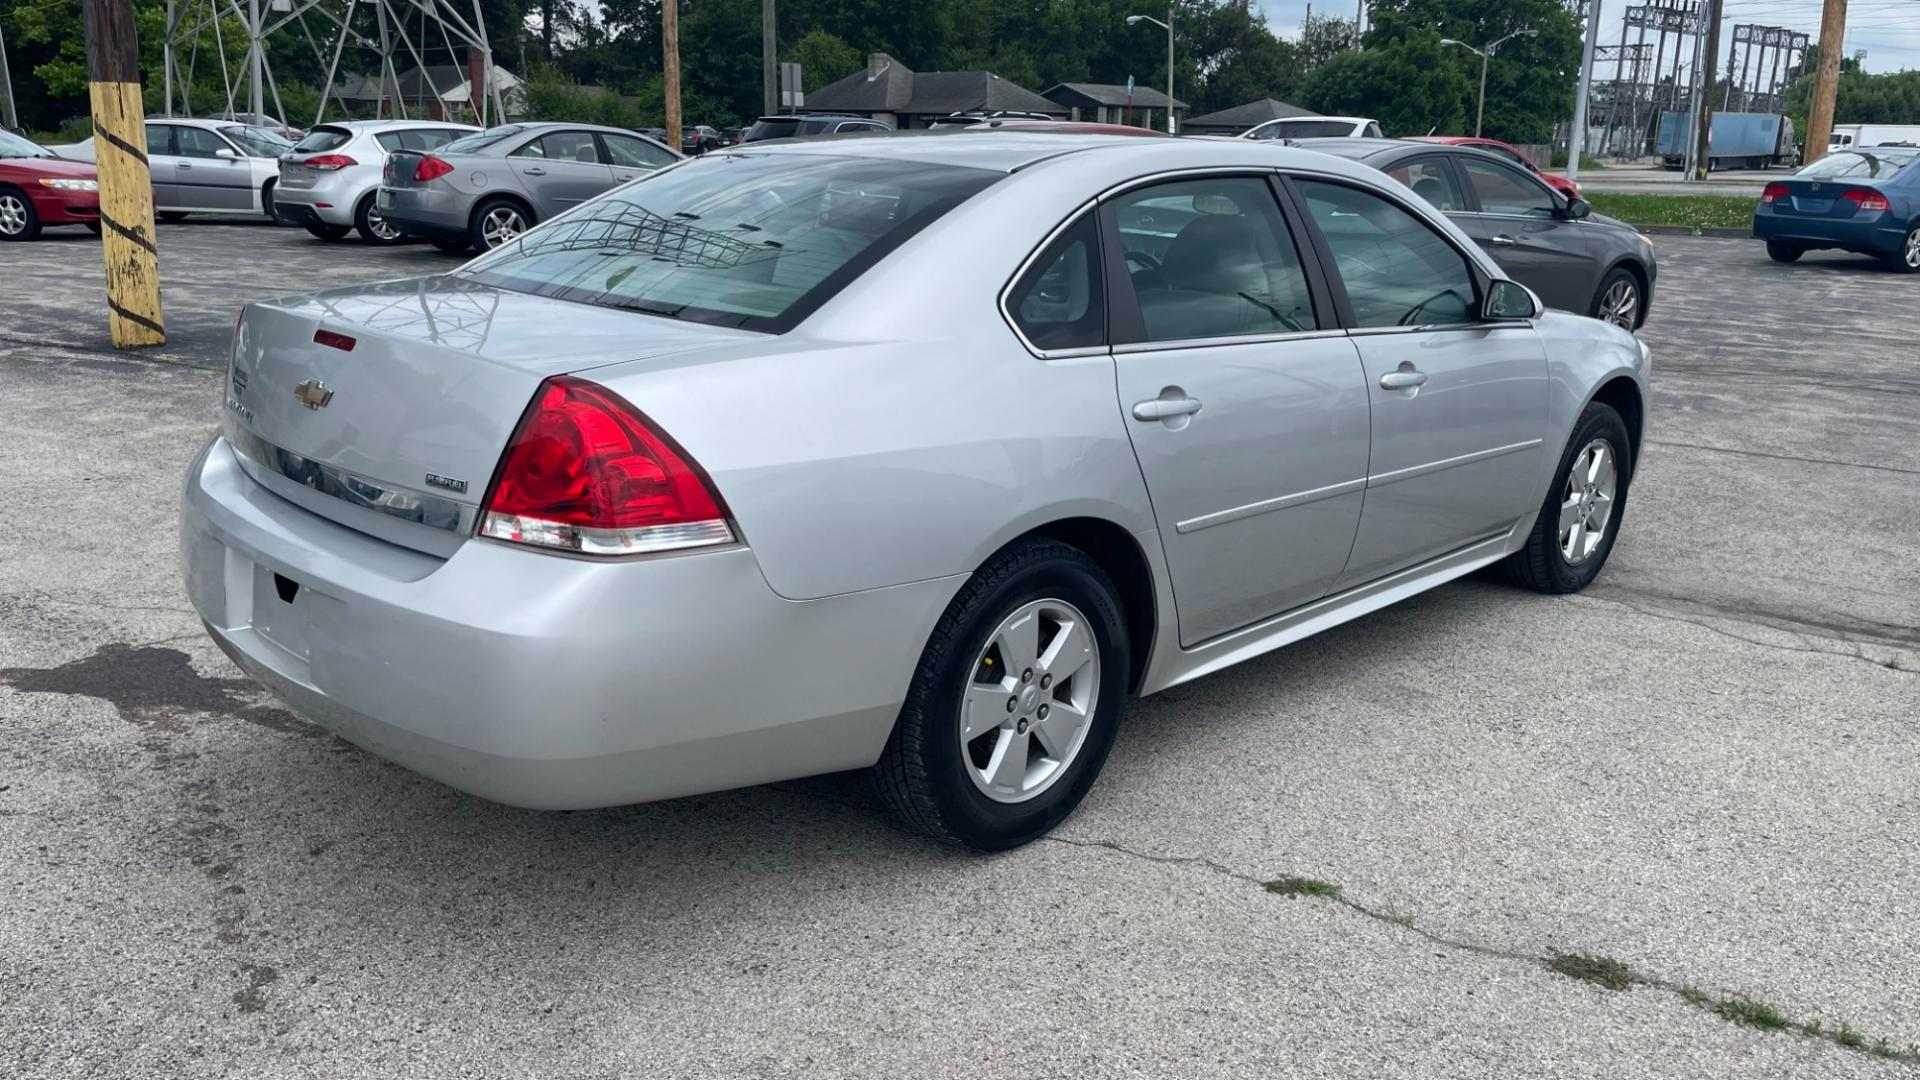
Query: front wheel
[[1619, 300], [1583, 510], [1015, 702], [328, 233], [267, 207], [1907, 259], [1782, 252], [18, 219]]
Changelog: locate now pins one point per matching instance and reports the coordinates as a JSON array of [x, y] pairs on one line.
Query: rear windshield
[[1865, 163], [322, 139], [751, 241], [480, 140], [772, 129], [257, 141]]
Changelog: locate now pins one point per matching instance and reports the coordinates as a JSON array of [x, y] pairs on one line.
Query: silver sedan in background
[[479, 192], [697, 486]]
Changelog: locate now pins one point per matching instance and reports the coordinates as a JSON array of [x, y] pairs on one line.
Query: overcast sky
[[1889, 30]]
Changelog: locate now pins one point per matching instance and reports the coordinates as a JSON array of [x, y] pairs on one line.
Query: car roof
[[1359, 149], [1007, 149], [1342, 119], [370, 125]]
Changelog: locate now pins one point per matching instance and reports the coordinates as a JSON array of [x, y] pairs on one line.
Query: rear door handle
[[534, 172], [1501, 240], [1165, 408], [1404, 379]]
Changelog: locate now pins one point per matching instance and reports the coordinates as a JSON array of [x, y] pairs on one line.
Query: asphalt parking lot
[[1706, 768]]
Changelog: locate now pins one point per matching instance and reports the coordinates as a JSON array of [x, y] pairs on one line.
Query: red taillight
[[1774, 192], [431, 168], [586, 472], [1865, 199], [330, 162]]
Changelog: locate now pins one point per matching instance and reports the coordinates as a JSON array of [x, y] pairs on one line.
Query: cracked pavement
[[1703, 768]]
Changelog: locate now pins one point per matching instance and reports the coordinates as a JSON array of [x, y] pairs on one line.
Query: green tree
[[1407, 84], [1531, 81], [1321, 37], [823, 58]]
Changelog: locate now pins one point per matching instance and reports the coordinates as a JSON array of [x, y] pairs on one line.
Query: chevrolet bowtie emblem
[[313, 394]]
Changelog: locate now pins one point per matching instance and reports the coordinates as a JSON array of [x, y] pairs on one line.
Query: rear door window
[[1398, 271], [1060, 302], [1432, 180], [1212, 258]]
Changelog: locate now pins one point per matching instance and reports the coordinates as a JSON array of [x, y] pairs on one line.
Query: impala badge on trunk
[[313, 394]]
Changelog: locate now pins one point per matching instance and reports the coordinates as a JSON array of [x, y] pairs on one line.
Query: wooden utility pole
[[1826, 79], [1703, 106], [769, 58], [670, 74], [126, 188]]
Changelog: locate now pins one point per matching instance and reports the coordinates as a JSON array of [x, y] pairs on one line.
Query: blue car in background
[[1865, 199]]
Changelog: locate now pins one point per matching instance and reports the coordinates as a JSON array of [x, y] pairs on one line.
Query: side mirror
[[226, 152], [1510, 301], [1578, 209]]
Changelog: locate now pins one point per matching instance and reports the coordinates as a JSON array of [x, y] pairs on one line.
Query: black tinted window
[[1503, 189], [322, 139], [632, 153], [1430, 179], [1059, 303], [159, 138], [777, 128], [1212, 258], [1398, 271], [198, 142]]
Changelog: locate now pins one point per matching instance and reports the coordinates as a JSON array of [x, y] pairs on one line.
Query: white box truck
[[1845, 135]]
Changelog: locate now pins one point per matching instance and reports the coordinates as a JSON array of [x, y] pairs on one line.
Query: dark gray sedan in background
[[1575, 259], [479, 192]]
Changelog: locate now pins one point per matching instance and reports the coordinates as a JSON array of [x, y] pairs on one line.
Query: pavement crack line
[[1785, 457], [103, 606], [1737, 1008], [1723, 632]]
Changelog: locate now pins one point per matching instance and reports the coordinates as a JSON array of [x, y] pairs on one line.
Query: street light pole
[[1136, 19], [1486, 56]]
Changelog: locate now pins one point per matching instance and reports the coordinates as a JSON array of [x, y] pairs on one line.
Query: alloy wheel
[[1621, 304], [381, 227], [501, 224], [1911, 253], [1029, 701], [1586, 502], [13, 215]]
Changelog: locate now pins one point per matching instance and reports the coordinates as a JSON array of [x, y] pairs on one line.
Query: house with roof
[[892, 92], [1241, 117], [1109, 103], [437, 91]]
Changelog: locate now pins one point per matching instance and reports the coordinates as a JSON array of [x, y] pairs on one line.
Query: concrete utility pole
[[256, 59], [126, 187], [769, 59], [1577, 142], [670, 74], [1709, 61], [1826, 80]]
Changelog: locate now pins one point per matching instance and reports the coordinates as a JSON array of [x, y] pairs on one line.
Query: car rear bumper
[[540, 680], [325, 203], [57, 207], [1881, 234], [439, 215]]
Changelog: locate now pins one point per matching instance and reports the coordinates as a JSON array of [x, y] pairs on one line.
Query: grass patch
[[1601, 971], [1695, 997], [1302, 886], [1894, 663], [1849, 1038], [1690, 211], [1759, 1014]]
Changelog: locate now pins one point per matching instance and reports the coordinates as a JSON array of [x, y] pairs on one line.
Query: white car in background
[[1316, 127], [205, 166], [328, 182]]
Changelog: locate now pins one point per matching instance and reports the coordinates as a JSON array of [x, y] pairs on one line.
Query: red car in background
[[1499, 149], [38, 189]]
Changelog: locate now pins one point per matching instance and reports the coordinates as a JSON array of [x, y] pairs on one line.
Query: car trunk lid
[[1818, 198], [386, 408]]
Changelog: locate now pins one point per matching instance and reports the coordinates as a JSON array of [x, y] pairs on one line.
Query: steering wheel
[[1143, 261], [1413, 313]]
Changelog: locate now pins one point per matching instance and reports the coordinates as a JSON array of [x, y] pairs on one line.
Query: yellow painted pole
[[126, 188]]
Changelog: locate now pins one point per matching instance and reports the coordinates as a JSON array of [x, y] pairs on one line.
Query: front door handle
[[1165, 408], [1406, 378], [1501, 240], [183, 165], [534, 172]]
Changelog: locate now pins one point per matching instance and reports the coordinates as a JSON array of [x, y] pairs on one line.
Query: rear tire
[[495, 222], [1782, 252], [266, 204], [940, 784], [453, 247], [1907, 259], [1546, 564], [328, 233], [18, 219], [373, 228]]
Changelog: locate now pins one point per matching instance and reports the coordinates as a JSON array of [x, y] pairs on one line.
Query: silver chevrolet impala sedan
[[918, 454]]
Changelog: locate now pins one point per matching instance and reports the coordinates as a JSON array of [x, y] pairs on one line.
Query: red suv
[[38, 189], [1499, 149]]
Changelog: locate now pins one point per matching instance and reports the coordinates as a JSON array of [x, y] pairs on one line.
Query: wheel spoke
[[1020, 643], [1009, 764], [1602, 460], [1057, 732], [982, 709], [1575, 538], [1571, 512], [1070, 650]]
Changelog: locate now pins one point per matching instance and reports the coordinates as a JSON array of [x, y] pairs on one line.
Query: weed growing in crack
[[1695, 997], [1601, 971], [1811, 1029], [1302, 886], [1894, 663], [1398, 918], [1745, 1010], [1850, 1038]]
